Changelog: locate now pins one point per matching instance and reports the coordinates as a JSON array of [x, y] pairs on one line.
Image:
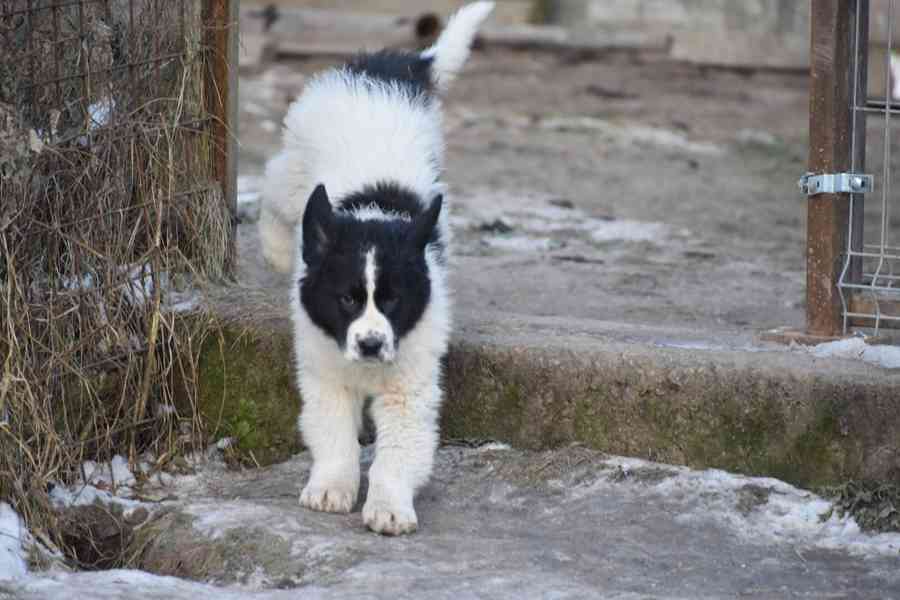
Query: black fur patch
[[391, 197], [404, 68], [335, 244], [388, 196]]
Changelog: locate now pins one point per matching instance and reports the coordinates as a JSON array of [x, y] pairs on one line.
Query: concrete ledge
[[758, 410], [660, 394]]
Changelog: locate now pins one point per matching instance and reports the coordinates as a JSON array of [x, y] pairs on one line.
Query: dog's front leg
[[406, 429], [329, 422]]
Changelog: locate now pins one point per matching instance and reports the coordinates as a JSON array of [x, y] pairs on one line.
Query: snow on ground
[[626, 134], [857, 348], [105, 483], [629, 231], [12, 553], [124, 584], [784, 513]]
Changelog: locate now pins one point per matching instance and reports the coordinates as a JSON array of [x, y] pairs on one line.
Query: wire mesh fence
[[853, 234], [115, 187], [870, 279]]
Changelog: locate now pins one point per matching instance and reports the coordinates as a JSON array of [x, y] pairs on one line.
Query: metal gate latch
[[836, 183]]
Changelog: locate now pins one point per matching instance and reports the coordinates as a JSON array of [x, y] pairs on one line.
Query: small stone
[[136, 517]]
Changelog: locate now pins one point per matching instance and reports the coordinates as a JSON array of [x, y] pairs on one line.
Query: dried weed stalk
[[108, 216]]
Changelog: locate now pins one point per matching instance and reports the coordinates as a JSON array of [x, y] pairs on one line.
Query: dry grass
[[108, 211]]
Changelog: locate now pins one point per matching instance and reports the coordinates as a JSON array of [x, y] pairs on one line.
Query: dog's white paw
[[387, 519], [331, 498]]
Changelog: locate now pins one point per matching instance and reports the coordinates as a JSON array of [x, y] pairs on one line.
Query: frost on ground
[[522, 223], [500, 523], [856, 348]]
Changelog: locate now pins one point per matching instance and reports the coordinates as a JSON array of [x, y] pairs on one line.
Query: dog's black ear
[[318, 225], [424, 224]]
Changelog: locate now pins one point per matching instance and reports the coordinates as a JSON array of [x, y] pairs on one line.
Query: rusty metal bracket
[[836, 183]]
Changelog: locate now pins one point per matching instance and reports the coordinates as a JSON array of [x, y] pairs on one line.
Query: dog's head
[[366, 283]]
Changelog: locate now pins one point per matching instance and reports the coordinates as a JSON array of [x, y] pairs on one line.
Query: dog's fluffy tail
[[452, 48]]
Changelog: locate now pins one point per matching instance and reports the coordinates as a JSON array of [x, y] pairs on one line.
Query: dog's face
[[366, 283]]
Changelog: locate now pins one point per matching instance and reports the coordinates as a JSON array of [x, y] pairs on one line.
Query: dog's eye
[[348, 301], [389, 303]]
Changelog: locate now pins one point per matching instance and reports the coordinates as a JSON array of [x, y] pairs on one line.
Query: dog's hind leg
[[407, 436], [285, 191], [329, 422], [277, 238]]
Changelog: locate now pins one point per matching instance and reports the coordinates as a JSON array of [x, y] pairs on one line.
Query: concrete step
[[497, 523], [656, 393]]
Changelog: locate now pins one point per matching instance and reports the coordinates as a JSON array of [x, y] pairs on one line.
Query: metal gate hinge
[[836, 183]]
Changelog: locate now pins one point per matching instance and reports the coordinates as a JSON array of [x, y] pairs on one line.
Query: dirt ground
[[619, 187]]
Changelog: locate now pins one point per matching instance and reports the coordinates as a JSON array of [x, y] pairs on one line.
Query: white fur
[[452, 48], [371, 323], [347, 132], [407, 397]]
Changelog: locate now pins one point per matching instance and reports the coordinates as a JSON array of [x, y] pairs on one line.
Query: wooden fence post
[[221, 20], [830, 130]]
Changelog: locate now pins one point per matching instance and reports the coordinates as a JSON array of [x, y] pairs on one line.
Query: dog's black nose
[[369, 347]]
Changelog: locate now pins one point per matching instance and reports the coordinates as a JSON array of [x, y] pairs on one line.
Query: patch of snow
[[856, 348], [105, 483], [758, 137], [494, 446], [35, 143], [124, 584], [520, 243], [213, 522], [790, 515], [138, 287], [627, 133], [165, 410], [12, 552], [180, 302], [629, 231], [113, 474], [101, 111], [82, 495], [691, 346]]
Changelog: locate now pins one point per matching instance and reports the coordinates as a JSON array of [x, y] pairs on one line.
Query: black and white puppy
[[358, 181]]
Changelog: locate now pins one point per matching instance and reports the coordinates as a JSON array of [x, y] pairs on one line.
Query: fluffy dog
[[358, 180]]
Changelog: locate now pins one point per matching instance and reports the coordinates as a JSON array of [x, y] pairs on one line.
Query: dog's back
[[376, 120]]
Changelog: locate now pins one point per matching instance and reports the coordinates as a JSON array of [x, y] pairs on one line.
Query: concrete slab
[[495, 523]]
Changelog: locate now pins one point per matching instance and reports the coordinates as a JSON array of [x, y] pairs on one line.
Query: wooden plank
[[221, 89], [303, 32], [506, 12], [864, 304], [758, 50], [829, 152]]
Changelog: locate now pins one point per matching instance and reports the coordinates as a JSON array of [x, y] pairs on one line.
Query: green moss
[[246, 391], [818, 455], [470, 411], [542, 11], [589, 429]]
